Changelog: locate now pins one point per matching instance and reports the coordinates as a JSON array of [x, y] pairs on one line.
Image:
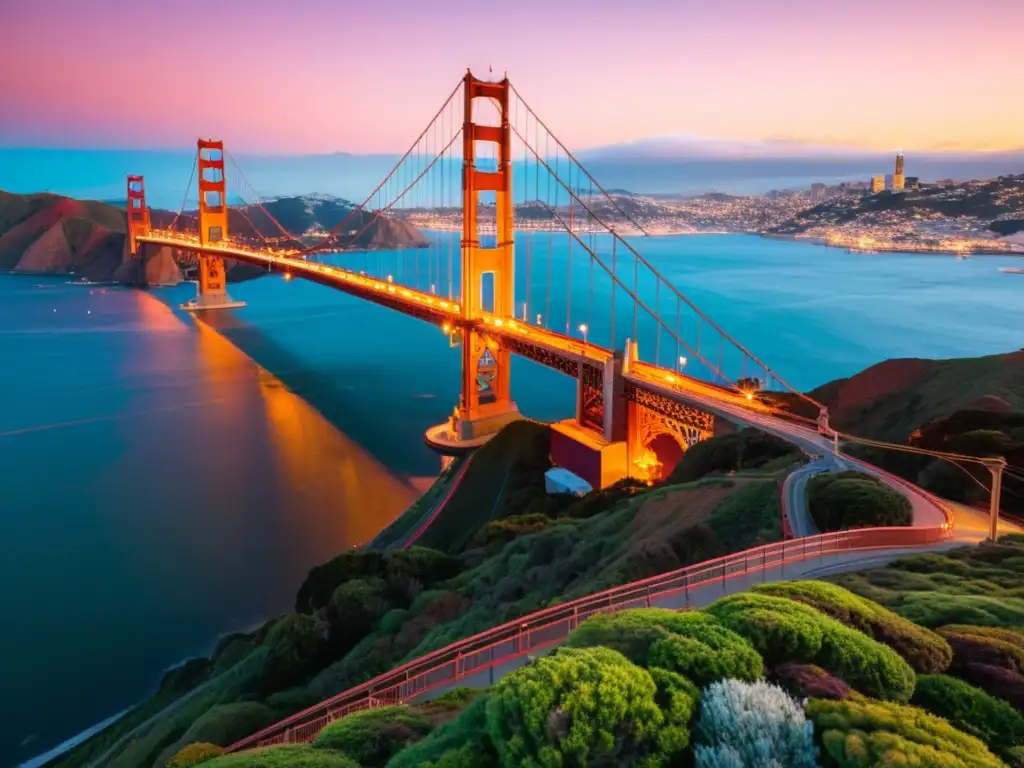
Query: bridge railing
[[537, 631]]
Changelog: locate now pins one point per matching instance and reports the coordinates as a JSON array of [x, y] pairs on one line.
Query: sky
[[320, 76]]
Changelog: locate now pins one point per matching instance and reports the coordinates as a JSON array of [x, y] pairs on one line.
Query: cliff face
[[56, 235], [49, 234]]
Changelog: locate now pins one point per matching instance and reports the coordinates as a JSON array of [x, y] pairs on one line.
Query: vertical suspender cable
[[551, 229], [657, 312], [568, 271], [614, 289]]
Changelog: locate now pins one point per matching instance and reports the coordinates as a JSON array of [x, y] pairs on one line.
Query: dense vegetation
[[791, 675], [838, 501], [745, 450], [508, 549], [969, 432]]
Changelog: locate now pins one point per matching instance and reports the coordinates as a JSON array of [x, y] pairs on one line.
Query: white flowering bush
[[753, 724]]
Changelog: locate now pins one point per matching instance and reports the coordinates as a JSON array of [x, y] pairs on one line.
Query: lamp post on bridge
[[996, 467], [583, 330]]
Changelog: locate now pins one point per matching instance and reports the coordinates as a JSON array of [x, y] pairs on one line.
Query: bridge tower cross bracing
[[213, 227], [486, 403], [137, 212]]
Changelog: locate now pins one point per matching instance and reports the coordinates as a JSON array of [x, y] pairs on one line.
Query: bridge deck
[[542, 345]]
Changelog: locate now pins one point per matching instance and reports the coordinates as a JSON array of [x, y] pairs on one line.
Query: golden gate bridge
[[653, 373], [649, 364]]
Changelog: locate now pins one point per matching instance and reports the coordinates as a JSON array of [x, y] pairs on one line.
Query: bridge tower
[[138, 213], [485, 402], [213, 227]]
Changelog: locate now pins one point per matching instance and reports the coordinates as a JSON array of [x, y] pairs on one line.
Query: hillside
[[49, 234], [309, 218], [366, 610], [980, 207], [970, 406], [915, 664], [890, 400]]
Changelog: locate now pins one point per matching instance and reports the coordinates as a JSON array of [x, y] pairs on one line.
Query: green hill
[[918, 663]]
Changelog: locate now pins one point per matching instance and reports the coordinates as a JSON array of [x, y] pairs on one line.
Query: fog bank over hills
[[663, 166]]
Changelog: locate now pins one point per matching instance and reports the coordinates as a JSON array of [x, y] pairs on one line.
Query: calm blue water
[[165, 482]]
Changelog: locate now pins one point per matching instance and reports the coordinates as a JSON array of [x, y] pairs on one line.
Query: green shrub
[[677, 698], [709, 653], [784, 630], [693, 644], [510, 528], [807, 681], [971, 710], [631, 632], [426, 566], [923, 649], [577, 707], [838, 501], [997, 646], [457, 698], [1014, 757], [451, 744], [781, 630], [753, 724], [933, 609], [374, 736], [227, 723], [285, 756], [193, 754], [860, 733], [747, 449], [294, 647]]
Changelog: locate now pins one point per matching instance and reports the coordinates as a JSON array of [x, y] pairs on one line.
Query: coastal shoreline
[[922, 251]]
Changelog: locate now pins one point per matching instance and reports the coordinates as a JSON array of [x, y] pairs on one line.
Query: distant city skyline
[[320, 76]]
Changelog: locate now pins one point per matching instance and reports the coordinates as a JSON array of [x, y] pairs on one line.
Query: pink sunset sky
[[310, 76]]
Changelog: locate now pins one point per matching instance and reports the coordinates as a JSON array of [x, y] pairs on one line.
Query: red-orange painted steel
[[138, 213]]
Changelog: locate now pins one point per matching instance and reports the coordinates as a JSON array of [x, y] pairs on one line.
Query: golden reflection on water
[[316, 464], [320, 462]]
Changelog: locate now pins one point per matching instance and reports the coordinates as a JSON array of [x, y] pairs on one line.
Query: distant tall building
[[877, 184], [817, 192], [897, 178], [913, 182], [888, 181]]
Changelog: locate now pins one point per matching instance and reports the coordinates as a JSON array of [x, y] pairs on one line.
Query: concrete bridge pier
[[621, 430]]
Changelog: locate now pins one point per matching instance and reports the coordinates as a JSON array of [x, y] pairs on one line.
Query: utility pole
[[996, 467]]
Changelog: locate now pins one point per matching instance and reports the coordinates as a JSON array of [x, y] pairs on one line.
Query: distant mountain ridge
[[43, 233]]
